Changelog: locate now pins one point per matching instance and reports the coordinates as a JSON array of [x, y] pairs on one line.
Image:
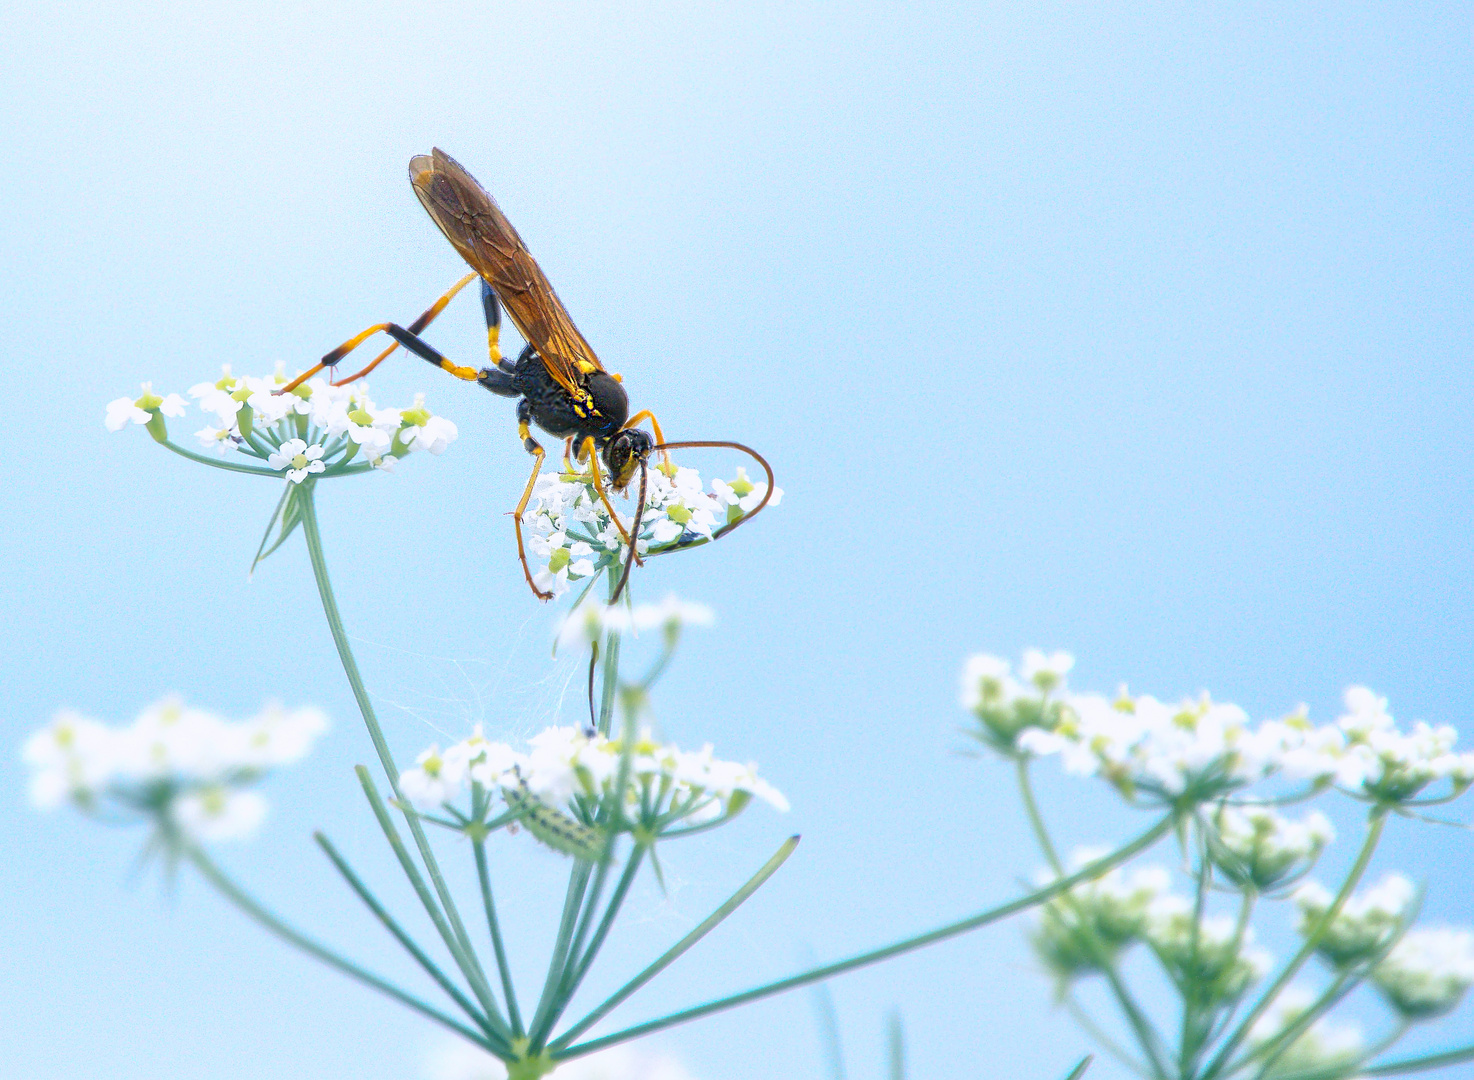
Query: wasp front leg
[[587, 450], [524, 430]]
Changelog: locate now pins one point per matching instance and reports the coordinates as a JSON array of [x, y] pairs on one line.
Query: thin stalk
[[620, 890], [669, 957], [874, 956], [248, 904], [895, 1038], [229, 466], [544, 1017], [1419, 1064], [1375, 824], [1190, 1040], [503, 967], [308, 503], [1146, 1033], [829, 1031], [1106, 1043], [431, 968], [453, 942]]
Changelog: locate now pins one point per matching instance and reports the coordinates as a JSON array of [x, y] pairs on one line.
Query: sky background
[[1137, 330]]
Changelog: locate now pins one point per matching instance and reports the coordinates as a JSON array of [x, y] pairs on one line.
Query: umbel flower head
[[1199, 749], [1366, 923], [187, 770], [1083, 930], [1005, 706], [1256, 845], [1211, 956], [572, 537], [315, 430], [556, 786], [1427, 972]]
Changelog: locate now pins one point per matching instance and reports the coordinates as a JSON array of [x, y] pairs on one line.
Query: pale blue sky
[[1141, 331]]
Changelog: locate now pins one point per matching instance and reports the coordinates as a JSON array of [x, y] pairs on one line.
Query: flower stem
[[503, 967], [1419, 1064], [874, 956], [308, 504], [248, 904], [1146, 1033], [433, 970], [214, 464], [669, 957], [1375, 823]]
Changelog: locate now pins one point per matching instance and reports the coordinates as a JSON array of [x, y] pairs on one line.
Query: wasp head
[[623, 454]]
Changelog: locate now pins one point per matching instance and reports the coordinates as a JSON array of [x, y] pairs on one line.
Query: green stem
[[1419, 1064], [875, 956], [340, 636], [1376, 822], [248, 904], [455, 941], [503, 967], [545, 1017], [431, 968], [1110, 1046], [1146, 1033], [666, 959], [217, 464], [625, 881]]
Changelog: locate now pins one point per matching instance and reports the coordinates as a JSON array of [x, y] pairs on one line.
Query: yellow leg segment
[[537, 464], [588, 450]]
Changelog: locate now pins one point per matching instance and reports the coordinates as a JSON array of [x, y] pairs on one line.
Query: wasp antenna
[[750, 452], [634, 539]]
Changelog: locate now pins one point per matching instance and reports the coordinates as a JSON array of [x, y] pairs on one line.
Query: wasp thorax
[[611, 404]]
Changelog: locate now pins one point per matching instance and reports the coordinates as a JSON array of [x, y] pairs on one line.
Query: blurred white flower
[[1046, 672], [1427, 972], [1212, 958], [218, 813], [1365, 923], [186, 768], [1085, 929], [671, 613], [1258, 846]]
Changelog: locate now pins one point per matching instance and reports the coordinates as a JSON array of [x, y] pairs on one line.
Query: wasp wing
[[477, 228]]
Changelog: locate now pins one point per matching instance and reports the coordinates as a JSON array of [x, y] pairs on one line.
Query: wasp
[[558, 380]]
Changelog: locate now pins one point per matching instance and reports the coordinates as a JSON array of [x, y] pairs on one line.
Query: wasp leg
[[568, 454], [587, 449], [524, 419], [499, 379], [332, 358], [646, 414]]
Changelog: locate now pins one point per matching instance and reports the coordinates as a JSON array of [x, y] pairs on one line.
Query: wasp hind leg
[[332, 359], [524, 430]]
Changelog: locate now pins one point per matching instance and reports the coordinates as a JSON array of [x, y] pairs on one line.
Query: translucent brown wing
[[476, 226]]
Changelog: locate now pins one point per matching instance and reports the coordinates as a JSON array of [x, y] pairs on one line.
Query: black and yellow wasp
[[560, 383]]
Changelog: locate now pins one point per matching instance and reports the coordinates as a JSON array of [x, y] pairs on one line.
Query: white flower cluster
[[1200, 748], [1006, 706], [1323, 1046], [591, 620], [1255, 845], [300, 433], [1365, 923], [186, 767], [572, 771], [569, 530], [1209, 955], [1427, 973], [1082, 930], [1086, 928]]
